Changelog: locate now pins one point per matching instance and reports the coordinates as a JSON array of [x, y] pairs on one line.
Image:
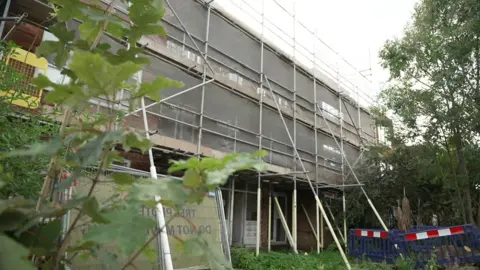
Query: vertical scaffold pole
[[340, 119], [317, 214], [269, 235], [204, 78], [294, 195], [324, 214], [260, 105]]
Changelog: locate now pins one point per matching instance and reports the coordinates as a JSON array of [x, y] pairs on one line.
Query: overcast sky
[[355, 29]]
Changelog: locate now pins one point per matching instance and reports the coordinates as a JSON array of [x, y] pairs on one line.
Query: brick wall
[[264, 218], [305, 238], [138, 161]]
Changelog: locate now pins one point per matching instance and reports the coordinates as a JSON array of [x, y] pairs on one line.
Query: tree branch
[[136, 254]]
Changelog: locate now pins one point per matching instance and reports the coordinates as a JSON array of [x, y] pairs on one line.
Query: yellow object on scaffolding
[[29, 65]]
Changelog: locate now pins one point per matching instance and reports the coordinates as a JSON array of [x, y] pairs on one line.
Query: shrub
[[244, 259]]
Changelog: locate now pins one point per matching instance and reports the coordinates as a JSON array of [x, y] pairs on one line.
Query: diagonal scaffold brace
[[317, 199], [353, 172]]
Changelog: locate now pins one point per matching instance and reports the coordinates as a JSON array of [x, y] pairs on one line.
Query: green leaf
[[90, 153], [260, 153], [87, 245], [181, 165], [50, 47], [89, 30], [171, 191], [145, 15], [134, 140], [233, 163], [150, 253], [117, 30], [13, 255], [61, 31], [123, 179], [127, 228], [215, 256], [129, 55], [209, 163], [42, 238], [68, 95], [152, 89], [69, 9], [107, 259], [85, 256], [193, 247], [42, 81], [196, 197], [91, 209], [11, 219], [58, 48], [192, 178], [75, 202], [99, 75], [43, 148]]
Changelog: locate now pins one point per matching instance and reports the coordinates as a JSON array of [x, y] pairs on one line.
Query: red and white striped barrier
[[374, 234], [434, 233]]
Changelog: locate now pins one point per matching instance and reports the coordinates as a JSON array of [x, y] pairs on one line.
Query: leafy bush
[[19, 127], [245, 259]]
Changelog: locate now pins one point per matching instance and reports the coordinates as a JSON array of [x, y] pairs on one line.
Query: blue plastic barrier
[[448, 245]]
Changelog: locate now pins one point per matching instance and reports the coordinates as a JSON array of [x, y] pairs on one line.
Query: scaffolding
[[265, 83], [259, 81]]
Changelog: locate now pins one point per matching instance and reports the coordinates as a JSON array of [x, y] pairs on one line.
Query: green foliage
[[125, 227], [13, 255], [434, 93], [245, 259], [85, 140], [423, 171], [18, 128]]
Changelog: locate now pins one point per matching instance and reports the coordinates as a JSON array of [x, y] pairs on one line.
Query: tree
[[34, 231], [435, 85], [422, 170]]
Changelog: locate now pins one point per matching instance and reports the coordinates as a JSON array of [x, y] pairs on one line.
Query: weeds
[[245, 259]]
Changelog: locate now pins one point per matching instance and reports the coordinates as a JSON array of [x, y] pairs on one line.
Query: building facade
[[244, 94]]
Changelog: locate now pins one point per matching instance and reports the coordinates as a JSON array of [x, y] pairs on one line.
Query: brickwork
[[305, 238], [138, 161], [264, 219]]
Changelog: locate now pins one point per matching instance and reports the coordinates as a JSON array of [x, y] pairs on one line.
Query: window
[[250, 228]]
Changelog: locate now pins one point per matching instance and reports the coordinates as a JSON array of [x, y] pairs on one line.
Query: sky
[[345, 36]]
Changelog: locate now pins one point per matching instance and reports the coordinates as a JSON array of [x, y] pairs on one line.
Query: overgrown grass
[[245, 259]]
